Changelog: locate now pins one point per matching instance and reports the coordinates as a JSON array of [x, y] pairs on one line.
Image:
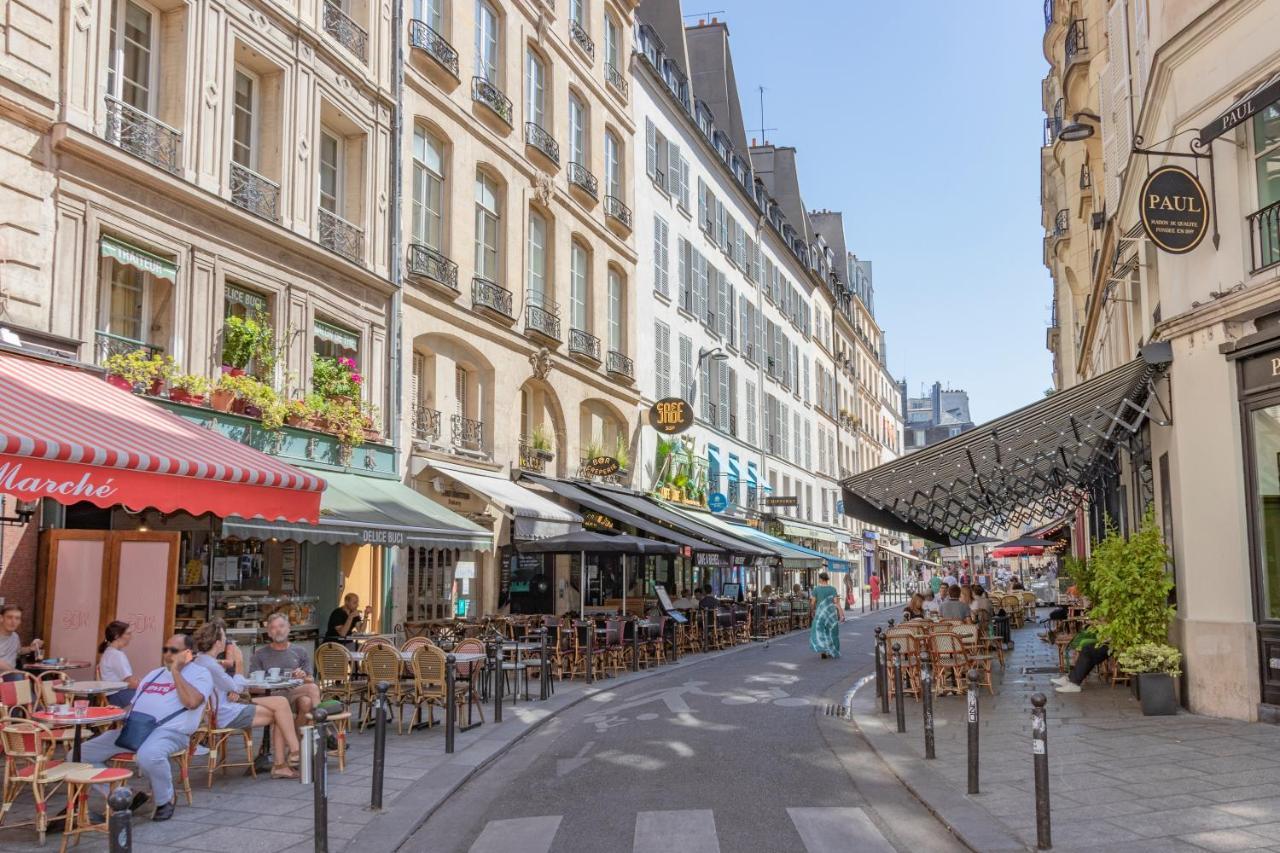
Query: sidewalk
[[1118, 780], [255, 816]]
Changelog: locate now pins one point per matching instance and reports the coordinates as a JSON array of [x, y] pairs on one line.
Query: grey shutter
[[661, 261], [686, 366], [686, 274], [673, 168], [722, 395], [662, 361], [751, 412], [651, 147]]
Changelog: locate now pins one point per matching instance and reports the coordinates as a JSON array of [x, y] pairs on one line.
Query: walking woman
[[824, 634]]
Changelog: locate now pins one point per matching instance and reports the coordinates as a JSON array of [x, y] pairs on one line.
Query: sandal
[[283, 772]]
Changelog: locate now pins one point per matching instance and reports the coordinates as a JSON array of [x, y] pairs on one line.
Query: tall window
[[612, 166], [133, 71], [127, 302], [578, 287], [488, 213], [244, 126], [535, 83], [333, 341], [460, 382], [577, 131], [428, 189], [1266, 142], [615, 311], [430, 12], [330, 171], [537, 283], [611, 43], [578, 12], [486, 42]]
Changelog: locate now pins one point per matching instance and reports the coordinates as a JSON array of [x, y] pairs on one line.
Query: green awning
[[808, 530], [123, 253], [359, 510]]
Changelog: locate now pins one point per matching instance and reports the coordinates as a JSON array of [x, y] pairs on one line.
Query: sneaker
[[1068, 688], [1060, 680], [164, 812], [201, 749]]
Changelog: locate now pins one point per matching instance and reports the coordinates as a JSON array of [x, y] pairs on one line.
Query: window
[[535, 84], [578, 263], [537, 279], [430, 584], [662, 359], [577, 131], [612, 165], [430, 12], [487, 42], [333, 341], [578, 12], [751, 412], [132, 74], [460, 382], [616, 343], [330, 171], [1266, 144], [686, 365], [428, 189], [240, 302], [127, 301], [244, 110], [611, 40], [488, 213], [661, 263]]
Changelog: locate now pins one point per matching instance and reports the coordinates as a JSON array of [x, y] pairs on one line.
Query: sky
[[922, 123]]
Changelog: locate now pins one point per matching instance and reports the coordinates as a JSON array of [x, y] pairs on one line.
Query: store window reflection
[[1266, 448]]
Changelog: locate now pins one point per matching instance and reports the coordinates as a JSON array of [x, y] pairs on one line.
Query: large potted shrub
[[540, 442], [138, 371]]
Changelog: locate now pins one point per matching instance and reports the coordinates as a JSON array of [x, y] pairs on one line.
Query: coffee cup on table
[[257, 675], [274, 672]]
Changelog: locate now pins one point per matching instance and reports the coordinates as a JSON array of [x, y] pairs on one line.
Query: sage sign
[[1175, 210]]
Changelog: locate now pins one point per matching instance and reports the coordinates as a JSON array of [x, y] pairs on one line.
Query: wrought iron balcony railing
[[468, 434], [490, 295], [426, 423], [1061, 222], [614, 207], [1086, 177], [339, 235], [1048, 14], [619, 365], [530, 458], [543, 319], [1264, 237], [256, 194], [582, 40], [614, 78], [436, 46], [537, 137], [491, 96], [584, 343], [106, 344], [1052, 127], [582, 178], [345, 31], [1076, 43], [143, 135], [426, 262]]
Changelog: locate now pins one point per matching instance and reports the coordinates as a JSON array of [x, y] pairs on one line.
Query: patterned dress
[[824, 632]]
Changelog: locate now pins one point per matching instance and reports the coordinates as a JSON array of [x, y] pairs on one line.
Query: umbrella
[[584, 542]]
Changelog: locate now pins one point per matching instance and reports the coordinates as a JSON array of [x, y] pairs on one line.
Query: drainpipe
[[395, 266]]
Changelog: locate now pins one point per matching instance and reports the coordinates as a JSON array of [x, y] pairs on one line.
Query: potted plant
[[304, 413], [623, 455], [1153, 666], [541, 443], [345, 420], [255, 399], [335, 378], [372, 422], [223, 395], [242, 339], [138, 370], [189, 388]]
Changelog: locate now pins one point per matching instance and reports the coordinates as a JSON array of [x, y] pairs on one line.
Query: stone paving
[[1118, 780]]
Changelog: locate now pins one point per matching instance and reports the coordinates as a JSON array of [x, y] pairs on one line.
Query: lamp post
[[716, 354]]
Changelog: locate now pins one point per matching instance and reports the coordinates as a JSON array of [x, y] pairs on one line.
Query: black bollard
[[882, 655], [926, 695], [675, 640], [320, 781], [973, 731], [706, 630], [635, 645], [380, 744], [450, 702], [897, 687], [120, 824], [591, 650], [880, 691], [1040, 753], [545, 670], [499, 681]]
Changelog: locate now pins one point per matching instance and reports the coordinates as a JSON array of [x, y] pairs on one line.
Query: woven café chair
[[182, 758], [20, 697], [383, 663], [950, 663], [341, 723], [414, 643], [79, 778], [27, 764], [218, 741], [333, 675], [428, 669], [911, 643]]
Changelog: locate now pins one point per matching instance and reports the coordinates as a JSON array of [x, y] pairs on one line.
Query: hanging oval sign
[[1175, 209], [602, 466], [671, 415]]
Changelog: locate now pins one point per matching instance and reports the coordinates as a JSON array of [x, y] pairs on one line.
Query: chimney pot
[[702, 22], [714, 19]]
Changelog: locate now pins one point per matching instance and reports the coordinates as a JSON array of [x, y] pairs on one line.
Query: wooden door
[[74, 579], [142, 585]]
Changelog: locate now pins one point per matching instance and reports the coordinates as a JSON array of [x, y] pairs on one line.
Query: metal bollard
[[973, 731], [320, 781], [591, 650], [880, 691], [706, 630], [545, 670], [897, 687], [1040, 753], [380, 744], [499, 681], [635, 646], [675, 640], [120, 824], [926, 696], [450, 701]]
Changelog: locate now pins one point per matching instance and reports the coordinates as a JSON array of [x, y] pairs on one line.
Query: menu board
[[663, 598]]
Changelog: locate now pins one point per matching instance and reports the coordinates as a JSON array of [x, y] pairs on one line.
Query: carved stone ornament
[[83, 15], [541, 363], [259, 21], [304, 148], [543, 188], [211, 94]]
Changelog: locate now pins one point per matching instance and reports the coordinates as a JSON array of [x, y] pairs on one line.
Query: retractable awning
[[532, 515], [67, 435], [809, 530], [793, 556], [657, 511], [1037, 462], [833, 564]]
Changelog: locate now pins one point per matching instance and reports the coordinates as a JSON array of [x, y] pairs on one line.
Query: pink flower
[[357, 378], [346, 362]]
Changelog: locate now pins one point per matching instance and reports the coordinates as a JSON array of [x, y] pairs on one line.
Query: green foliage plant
[[1130, 588], [1151, 657]]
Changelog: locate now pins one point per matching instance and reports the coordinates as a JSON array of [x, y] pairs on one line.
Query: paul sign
[[1175, 209], [671, 415]]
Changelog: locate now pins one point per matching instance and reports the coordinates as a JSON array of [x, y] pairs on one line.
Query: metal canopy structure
[[1038, 462]]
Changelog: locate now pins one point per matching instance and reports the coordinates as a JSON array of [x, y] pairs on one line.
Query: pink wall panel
[[142, 592], [77, 600]]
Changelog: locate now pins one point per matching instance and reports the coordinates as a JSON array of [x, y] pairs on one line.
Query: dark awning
[[1031, 464], [590, 542], [1258, 99]]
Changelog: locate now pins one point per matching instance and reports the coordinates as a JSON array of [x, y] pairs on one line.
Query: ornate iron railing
[[614, 78], [1086, 177], [1048, 14], [581, 177], [339, 235], [1061, 222], [468, 434], [614, 207], [543, 319], [582, 40], [105, 344], [537, 137], [427, 262], [491, 295], [1264, 237], [584, 343], [143, 135], [256, 194], [345, 31], [620, 365], [437, 46], [491, 96], [1076, 43], [426, 423], [1052, 127], [530, 458]]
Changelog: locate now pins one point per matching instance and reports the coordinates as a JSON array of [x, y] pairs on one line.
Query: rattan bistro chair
[[429, 687], [27, 764], [333, 674], [383, 663], [219, 740]]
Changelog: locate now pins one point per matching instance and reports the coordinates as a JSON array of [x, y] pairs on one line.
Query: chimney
[[714, 19], [702, 22]]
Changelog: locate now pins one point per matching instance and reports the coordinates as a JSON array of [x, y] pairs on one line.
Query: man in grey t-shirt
[[953, 608], [293, 661], [10, 642]]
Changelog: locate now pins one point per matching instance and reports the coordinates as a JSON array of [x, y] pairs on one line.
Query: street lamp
[[715, 354], [1077, 131]]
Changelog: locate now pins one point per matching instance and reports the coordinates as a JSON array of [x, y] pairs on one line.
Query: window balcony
[[339, 235], [491, 296], [581, 177], [468, 434], [434, 45], [425, 262], [530, 458], [1076, 43], [426, 424], [143, 136], [618, 212], [1061, 223], [1052, 127], [345, 31], [614, 78], [256, 194], [484, 92], [543, 319], [582, 40], [542, 142], [1264, 237], [105, 345], [584, 344], [618, 364]]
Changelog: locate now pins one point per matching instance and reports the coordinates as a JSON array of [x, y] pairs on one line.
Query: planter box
[[178, 395], [1156, 692], [222, 400], [119, 382]]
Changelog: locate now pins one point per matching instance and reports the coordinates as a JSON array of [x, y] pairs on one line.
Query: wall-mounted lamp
[[1076, 130]]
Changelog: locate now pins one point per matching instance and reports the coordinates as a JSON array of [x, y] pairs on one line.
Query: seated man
[[953, 608], [292, 661], [1089, 653], [174, 695]]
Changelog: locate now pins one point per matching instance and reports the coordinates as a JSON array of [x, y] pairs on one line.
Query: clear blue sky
[[920, 121]]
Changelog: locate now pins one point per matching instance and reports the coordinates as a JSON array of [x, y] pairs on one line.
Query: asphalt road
[[736, 753]]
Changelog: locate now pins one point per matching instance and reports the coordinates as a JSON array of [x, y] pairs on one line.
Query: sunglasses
[[173, 650]]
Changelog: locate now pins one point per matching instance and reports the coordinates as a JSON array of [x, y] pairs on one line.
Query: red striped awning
[[67, 435]]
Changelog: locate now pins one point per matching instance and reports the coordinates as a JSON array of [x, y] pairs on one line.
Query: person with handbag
[[165, 712]]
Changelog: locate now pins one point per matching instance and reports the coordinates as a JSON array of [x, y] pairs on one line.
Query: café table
[[56, 665], [90, 689], [268, 687], [99, 716]]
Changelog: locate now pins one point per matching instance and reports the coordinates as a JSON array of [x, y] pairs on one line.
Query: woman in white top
[[113, 663]]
